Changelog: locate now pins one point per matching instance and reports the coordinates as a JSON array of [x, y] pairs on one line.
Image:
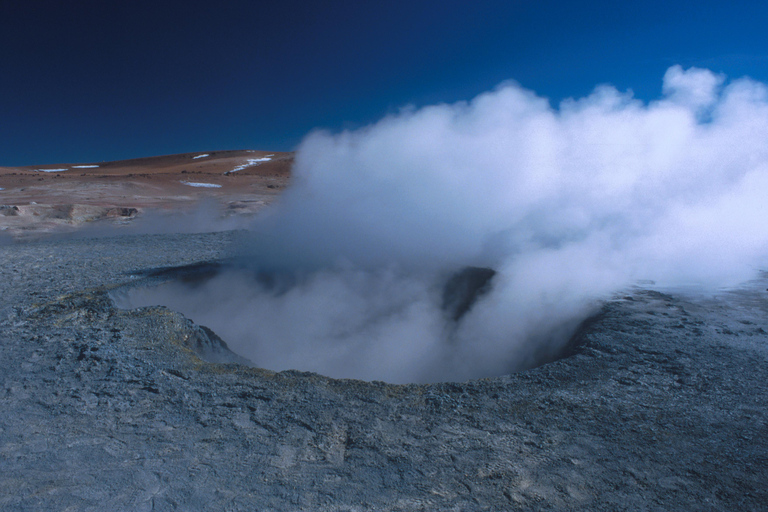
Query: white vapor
[[568, 205]]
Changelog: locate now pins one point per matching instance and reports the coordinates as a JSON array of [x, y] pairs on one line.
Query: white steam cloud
[[568, 205]]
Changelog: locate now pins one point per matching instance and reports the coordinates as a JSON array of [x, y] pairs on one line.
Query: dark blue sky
[[97, 80]]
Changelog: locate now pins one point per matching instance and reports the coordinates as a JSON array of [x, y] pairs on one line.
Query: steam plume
[[567, 205]]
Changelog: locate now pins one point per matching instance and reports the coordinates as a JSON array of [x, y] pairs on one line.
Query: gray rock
[[660, 406]]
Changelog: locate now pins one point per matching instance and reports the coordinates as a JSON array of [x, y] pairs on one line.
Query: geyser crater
[[384, 325]]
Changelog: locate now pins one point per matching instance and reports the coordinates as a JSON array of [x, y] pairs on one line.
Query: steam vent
[[660, 401], [210, 293]]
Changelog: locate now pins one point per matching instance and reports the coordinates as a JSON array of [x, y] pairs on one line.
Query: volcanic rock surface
[[41, 199], [659, 405]]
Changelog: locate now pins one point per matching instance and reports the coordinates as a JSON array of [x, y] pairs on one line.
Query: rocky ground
[[661, 406]]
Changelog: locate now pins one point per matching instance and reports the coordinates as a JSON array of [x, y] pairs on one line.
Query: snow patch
[[84, 166], [251, 162], [203, 185], [200, 156], [50, 170]]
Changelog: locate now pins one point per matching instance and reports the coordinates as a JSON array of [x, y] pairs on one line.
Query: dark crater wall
[[660, 405]]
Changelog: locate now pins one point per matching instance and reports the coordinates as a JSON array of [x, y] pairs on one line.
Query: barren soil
[[35, 200]]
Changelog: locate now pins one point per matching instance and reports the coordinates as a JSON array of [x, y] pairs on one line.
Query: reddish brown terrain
[[37, 199]]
